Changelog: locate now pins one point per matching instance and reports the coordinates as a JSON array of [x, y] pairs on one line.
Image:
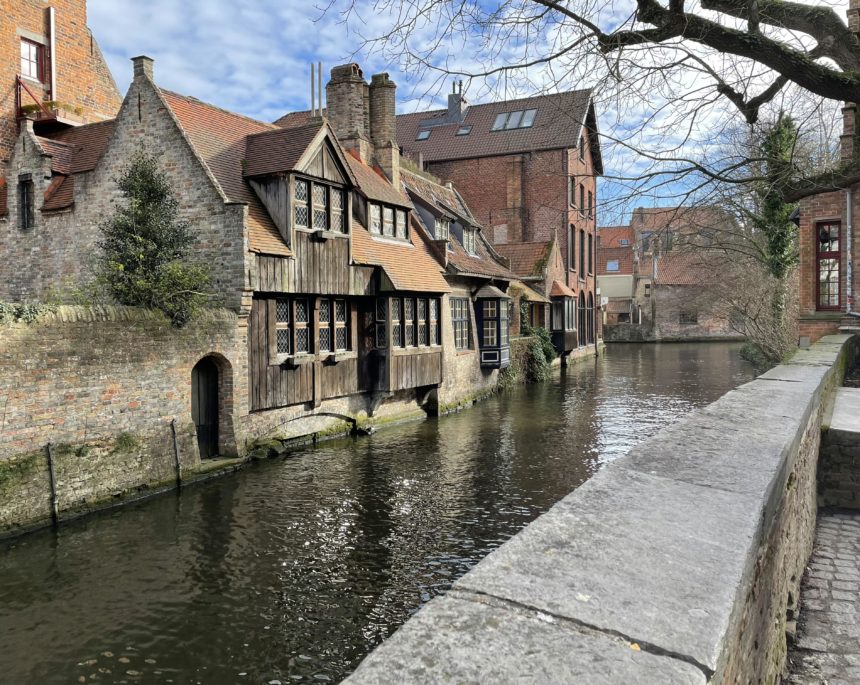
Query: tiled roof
[[61, 155], [624, 256], [447, 200], [559, 289], [60, 193], [682, 219], [444, 198], [527, 259], [86, 143], [682, 268], [295, 119], [528, 292], [409, 266], [558, 123], [373, 185], [218, 138], [278, 150], [611, 236]]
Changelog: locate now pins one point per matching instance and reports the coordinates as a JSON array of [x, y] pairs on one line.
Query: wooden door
[[204, 406]]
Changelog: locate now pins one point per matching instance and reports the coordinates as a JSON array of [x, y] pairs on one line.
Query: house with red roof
[[349, 300]]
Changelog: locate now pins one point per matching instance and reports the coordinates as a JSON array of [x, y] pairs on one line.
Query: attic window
[[613, 265], [624, 242], [516, 119], [469, 240], [464, 130], [423, 135], [442, 228]]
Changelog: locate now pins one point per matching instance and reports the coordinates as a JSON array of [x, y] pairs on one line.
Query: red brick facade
[[84, 87]]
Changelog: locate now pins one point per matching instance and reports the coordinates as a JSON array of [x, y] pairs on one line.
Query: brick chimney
[[383, 126], [347, 100], [849, 112]]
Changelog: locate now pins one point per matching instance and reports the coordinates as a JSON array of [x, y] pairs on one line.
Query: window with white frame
[[613, 265], [469, 240], [388, 221], [442, 228], [31, 59], [491, 323], [461, 321], [402, 229]]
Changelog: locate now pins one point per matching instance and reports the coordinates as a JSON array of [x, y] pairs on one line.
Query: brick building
[[528, 170], [828, 272], [51, 69]]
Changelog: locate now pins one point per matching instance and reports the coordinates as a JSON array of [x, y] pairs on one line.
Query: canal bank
[[296, 568]]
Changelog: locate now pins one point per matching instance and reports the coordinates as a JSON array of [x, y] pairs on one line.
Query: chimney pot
[[143, 67]]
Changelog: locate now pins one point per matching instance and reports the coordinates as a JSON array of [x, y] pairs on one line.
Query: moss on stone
[[16, 470], [125, 442]]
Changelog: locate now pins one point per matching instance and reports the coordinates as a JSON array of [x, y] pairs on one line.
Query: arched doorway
[[204, 406]]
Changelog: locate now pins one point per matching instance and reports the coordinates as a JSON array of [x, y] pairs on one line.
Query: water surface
[[293, 570]]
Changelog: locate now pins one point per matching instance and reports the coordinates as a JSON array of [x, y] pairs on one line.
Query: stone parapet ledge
[[679, 563]]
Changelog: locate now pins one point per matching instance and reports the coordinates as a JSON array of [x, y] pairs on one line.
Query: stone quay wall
[[679, 563], [839, 463]]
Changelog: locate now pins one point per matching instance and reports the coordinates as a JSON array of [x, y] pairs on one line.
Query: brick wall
[[56, 254], [669, 303], [83, 79]]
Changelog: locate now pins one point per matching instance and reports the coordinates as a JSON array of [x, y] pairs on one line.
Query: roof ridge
[[275, 128], [513, 101], [271, 127]]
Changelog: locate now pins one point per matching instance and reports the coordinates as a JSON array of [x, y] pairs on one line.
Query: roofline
[[506, 102]]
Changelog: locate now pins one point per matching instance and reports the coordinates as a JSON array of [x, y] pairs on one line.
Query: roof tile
[[279, 150], [624, 257], [527, 259]]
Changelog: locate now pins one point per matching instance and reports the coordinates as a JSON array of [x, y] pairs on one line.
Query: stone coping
[[846, 412], [637, 576], [92, 313]]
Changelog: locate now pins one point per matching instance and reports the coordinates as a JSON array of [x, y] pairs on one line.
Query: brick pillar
[[383, 125], [347, 110]]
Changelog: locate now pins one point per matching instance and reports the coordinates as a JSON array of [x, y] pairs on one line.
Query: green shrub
[[145, 247]]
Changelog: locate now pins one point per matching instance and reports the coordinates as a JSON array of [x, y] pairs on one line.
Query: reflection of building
[[654, 275]]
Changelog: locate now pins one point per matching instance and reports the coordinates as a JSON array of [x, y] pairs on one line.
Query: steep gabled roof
[[278, 150], [409, 266], [374, 186], [446, 200], [218, 138], [611, 236], [624, 257], [86, 144], [559, 289], [527, 259], [559, 121]]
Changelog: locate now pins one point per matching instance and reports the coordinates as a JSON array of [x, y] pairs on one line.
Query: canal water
[[293, 570]]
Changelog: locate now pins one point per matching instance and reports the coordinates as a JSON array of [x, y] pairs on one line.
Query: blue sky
[[254, 58]]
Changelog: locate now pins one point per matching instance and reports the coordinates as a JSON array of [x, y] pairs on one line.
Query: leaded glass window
[[434, 322], [402, 231], [301, 203], [388, 221], [325, 326], [320, 207], [409, 322], [341, 331], [396, 323], [423, 333], [282, 327], [337, 204], [375, 219], [829, 258], [469, 240], [303, 334]]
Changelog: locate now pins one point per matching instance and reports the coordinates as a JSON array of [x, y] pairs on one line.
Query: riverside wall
[[679, 563]]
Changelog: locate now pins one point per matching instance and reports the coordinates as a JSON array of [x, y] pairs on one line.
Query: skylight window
[[422, 135], [464, 130], [516, 119]]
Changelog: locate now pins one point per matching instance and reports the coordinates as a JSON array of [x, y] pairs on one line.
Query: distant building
[[655, 275]]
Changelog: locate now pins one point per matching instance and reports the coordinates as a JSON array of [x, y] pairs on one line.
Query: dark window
[[590, 204], [688, 317], [26, 216], [381, 317], [582, 198], [557, 315], [829, 256], [571, 191], [667, 241], [624, 242], [582, 254], [282, 327], [301, 326], [582, 148], [624, 317], [294, 327], [31, 59], [569, 314], [462, 322], [571, 247], [590, 253], [414, 322]]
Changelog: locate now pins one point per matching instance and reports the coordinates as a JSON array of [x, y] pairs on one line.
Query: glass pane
[[340, 311], [301, 216], [325, 339], [380, 309], [528, 118], [422, 309], [828, 237], [434, 333], [302, 191], [301, 311], [434, 309], [341, 336], [410, 335], [499, 123], [325, 311], [396, 332], [422, 333], [320, 219], [337, 199], [375, 219], [319, 195], [828, 282], [514, 119], [388, 221], [490, 309], [302, 340], [408, 308], [490, 333], [283, 340], [401, 224], [337, 223], [395, 308], [282, 311], [380, 335]]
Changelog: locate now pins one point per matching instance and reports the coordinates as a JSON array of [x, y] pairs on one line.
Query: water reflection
[[293, 570]]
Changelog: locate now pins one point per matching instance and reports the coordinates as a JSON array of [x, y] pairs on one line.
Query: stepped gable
[[218, 138], [558, 123], [526, 259]]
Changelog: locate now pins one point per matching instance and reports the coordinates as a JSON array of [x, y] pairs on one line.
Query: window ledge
[[321, 235], [423, 349], [296, 360], [332, 358]]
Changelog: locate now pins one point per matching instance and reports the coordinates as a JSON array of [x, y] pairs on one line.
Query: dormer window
[[388, 221], [319, 206], [469, 240], [31, 60], [423, 135], [442, 228]]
